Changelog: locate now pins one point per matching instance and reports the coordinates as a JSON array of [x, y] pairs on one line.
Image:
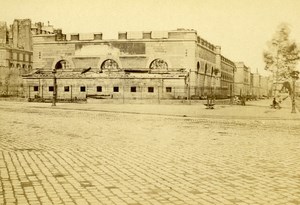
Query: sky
[[241, 27]]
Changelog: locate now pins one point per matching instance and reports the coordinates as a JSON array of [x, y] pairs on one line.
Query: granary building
[[176, 64]]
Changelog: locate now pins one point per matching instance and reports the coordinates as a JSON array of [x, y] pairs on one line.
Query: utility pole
[[54, 88], [295, 76]]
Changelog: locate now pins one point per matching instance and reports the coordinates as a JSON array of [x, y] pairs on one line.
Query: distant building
[[264, 88], [14, 63], [242, 80], [256, 87], [228, 70], [20, 34], [15, 56]]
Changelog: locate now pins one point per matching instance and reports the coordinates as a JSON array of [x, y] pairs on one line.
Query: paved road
[[71, 156]]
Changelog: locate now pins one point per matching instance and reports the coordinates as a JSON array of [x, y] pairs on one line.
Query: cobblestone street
[[65, 155]]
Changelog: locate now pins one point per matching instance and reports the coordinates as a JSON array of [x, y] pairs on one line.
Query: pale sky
[[240, 27]]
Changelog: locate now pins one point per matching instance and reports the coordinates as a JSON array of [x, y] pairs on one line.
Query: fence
[[123, 94], [11, 90]]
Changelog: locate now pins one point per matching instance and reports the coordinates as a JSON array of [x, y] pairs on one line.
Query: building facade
[[242, 80], [228, 70], [176, 64], [169, 64], [15, 56]]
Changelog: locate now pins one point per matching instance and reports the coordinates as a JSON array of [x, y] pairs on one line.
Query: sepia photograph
[[149, 102]]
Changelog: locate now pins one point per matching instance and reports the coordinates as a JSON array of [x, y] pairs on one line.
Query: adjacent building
[[15, 56], [242, 80]]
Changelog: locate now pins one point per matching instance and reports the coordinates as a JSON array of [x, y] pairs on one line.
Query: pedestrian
[[275, 104], [243, 100]]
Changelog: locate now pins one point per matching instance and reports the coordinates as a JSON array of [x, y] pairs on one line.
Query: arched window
[[198, 67], [62, 64], [205, 68], [159, 64], [109, 64]]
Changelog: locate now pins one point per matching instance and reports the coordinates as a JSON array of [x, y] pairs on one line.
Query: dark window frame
[[133, 89], [66, 88], [150, 89], [51, 88], [168, 89], [35, 88], [82, 89], [116, 89], [99, 89]]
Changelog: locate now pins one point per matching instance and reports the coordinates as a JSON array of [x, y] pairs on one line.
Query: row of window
[[11, 65], [99, 89], [20, 56]]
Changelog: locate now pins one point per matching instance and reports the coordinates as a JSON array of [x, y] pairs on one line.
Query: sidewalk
[[253, 109]]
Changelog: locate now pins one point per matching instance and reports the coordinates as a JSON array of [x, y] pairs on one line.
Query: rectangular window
[[116, 89], [67, 88], [168, 89], [36, 88], [99, 88], [26, 57], [82, 88], [51, 88], [150, 89], [15, 56], [133, 89]]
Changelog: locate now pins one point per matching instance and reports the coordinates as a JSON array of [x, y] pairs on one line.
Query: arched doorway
[[62, 64]]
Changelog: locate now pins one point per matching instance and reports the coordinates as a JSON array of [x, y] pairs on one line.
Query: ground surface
[[148, 154]]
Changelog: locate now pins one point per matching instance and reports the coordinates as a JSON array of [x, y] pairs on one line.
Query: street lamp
[[211, 99], [216, 72], [295, 76], [54, 87]]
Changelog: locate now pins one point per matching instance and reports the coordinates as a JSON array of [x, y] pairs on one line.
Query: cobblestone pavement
[[58, 156]]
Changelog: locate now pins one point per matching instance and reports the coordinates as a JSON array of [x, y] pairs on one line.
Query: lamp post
[[216, 72], [54, 88], [295, 76], [211, 99]]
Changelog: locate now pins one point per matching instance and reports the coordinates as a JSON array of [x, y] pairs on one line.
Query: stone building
[[168, 64], [15, 56], [228, 70], [242, 80], [256, 85], [264, 88], [20, 34]]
